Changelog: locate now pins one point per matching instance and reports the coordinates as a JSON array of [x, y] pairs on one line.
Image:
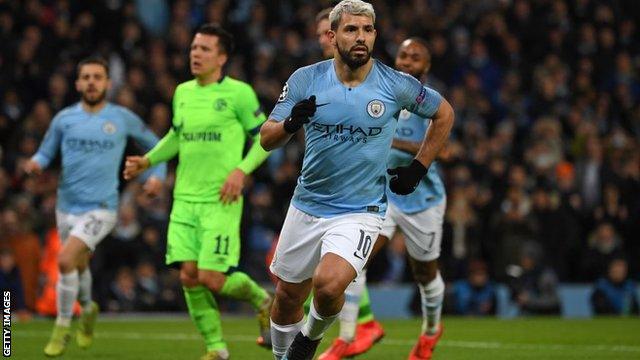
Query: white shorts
[[305, 239], [422, 231], [90, 227]]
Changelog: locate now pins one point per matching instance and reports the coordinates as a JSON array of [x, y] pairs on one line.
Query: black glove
[[406, 178], [300, 114]]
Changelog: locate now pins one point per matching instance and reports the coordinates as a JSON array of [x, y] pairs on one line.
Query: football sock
[[204, 312], [316, 324], [240, 286], [431, 296], [84, 289], [66, 294], [349, 312], [282, 336], [364, 313]]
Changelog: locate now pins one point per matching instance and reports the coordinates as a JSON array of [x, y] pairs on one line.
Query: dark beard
[[353, 62], [95, 102]]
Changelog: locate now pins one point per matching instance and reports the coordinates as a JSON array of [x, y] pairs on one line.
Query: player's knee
[[288, 298], [213, 281], [327, 289], [66, 263], [188, 279], [427, 272]]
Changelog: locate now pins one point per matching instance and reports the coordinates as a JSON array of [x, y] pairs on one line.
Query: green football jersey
[[210, 127]]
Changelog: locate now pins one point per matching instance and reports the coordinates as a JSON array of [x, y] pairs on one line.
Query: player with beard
[[367, 331], [419, 216], [91, 136], [348, 107]]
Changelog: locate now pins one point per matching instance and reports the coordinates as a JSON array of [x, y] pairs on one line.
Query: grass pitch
[[464, 338]]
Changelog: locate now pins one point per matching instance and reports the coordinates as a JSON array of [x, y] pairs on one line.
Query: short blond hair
[[353, 7]]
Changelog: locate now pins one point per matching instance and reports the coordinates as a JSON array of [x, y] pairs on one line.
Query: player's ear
[[222, 59], [332, 37]]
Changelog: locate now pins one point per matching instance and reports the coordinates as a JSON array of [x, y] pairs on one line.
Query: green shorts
[[208, 233]]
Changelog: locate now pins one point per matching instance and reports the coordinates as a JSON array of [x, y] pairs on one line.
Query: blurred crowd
[[542, 170]]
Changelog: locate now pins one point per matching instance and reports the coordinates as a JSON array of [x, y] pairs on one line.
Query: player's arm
[[251, 117], [437, 134], [165, 150], [412, 147], [427, 103], [291, 112], [153, 177], [47, 150]]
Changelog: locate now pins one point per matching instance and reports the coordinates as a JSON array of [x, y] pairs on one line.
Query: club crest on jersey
[[284, 93], [220, 105], [375, 108], [109, 128]]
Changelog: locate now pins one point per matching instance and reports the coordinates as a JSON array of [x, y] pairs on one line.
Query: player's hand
[[134, 166], [31, 167], [405, 179], [300, 114], [152, 187], [232, 187]]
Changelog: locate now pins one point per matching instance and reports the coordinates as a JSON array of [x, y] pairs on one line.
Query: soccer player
[[322, 31], [91, 136], [212, 116], [347, 107], [367, 331], [419, 216]]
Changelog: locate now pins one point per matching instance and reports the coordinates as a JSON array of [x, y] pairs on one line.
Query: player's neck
[[352, 77], [93, 108], [210, 78]]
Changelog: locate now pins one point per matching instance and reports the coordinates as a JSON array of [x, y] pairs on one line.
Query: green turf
[[463, 339]]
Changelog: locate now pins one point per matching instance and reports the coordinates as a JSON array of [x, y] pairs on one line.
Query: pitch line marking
[[385, 342]]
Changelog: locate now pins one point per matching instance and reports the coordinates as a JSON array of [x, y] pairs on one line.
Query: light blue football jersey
[[92, 146], [349, 137], [430, 190]]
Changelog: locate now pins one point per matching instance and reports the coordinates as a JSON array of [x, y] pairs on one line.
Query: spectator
[[615, 294], [11, 280], [147, 285], [533, 285], [475, 295], [123, 295], [25, 251], [603, 246]]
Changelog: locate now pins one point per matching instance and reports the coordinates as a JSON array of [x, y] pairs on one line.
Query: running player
[[213, 115], [348, 107], [419, 216], [91, 137]]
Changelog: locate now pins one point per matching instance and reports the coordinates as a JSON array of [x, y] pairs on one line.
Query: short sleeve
[[292, 93], [249, 111], [415, 97]]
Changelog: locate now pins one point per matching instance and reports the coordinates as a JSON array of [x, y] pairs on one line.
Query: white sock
[[317, 324], [84, 290], [431, 296], [349, 312], [282, 336], [66, 294]]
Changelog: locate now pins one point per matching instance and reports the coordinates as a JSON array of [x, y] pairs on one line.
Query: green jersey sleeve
[[249, 111], [165, 150]]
